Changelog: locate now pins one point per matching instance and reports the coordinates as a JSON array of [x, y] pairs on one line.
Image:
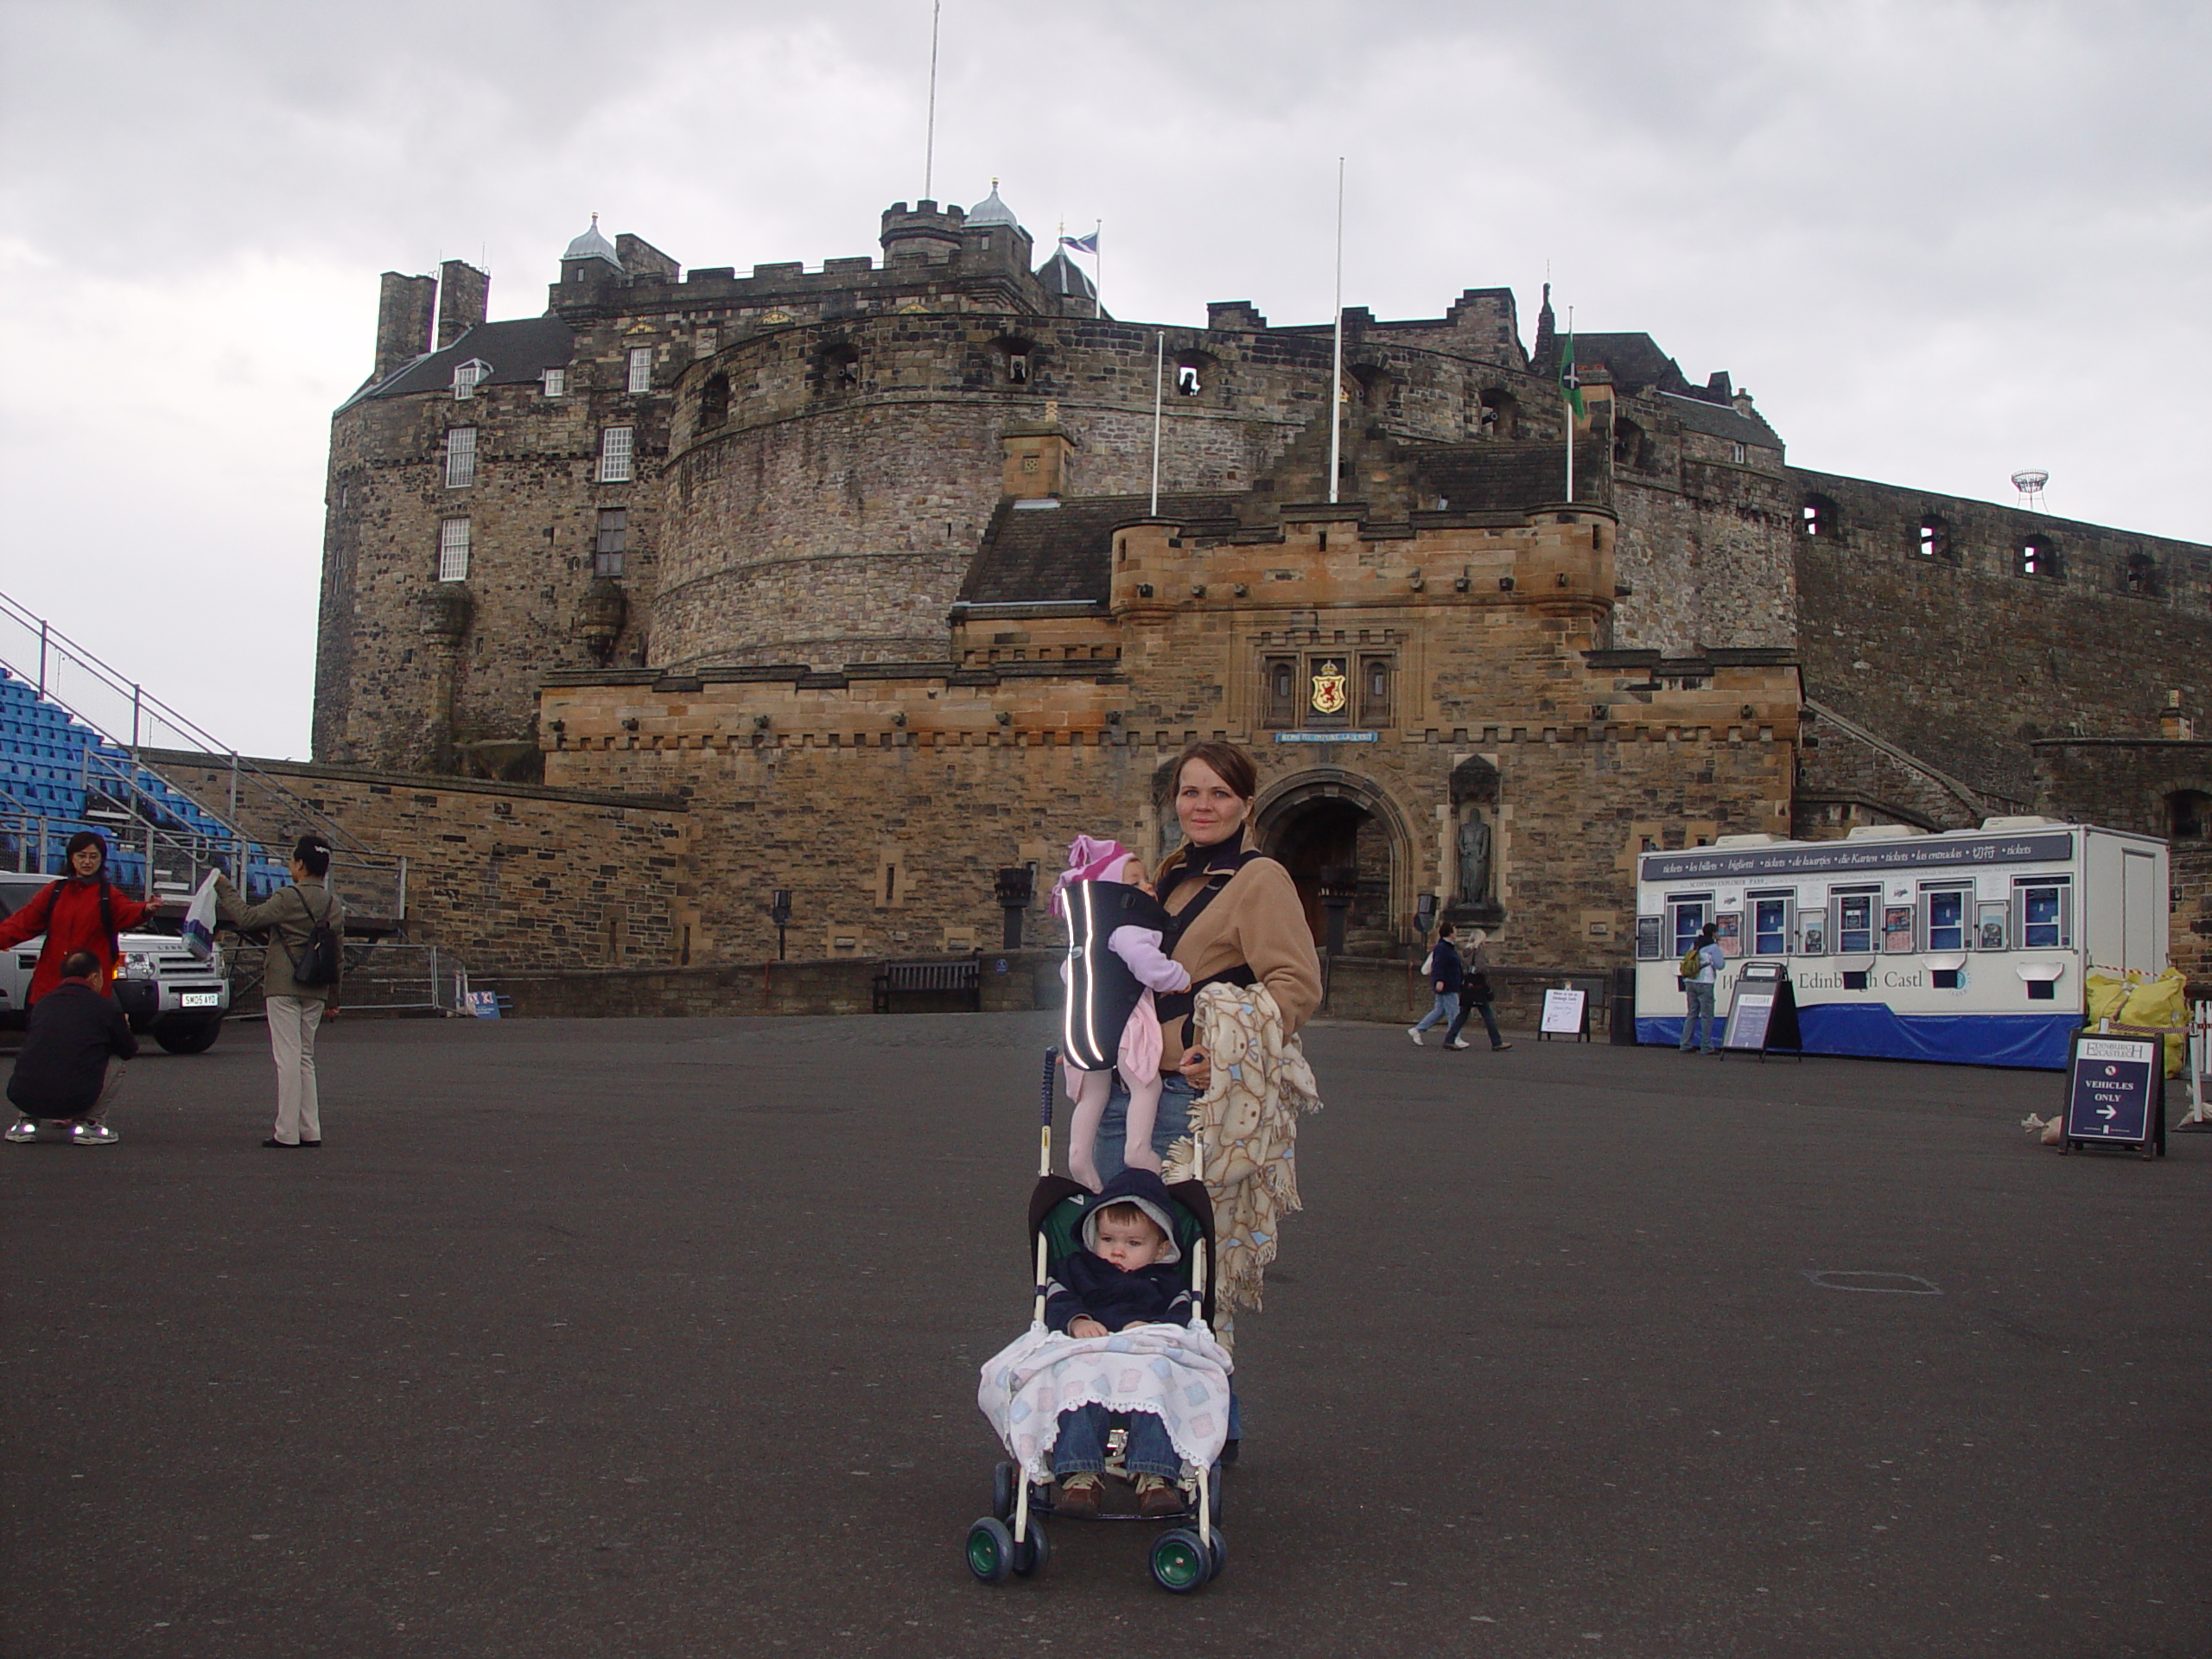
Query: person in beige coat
[[291, 916]]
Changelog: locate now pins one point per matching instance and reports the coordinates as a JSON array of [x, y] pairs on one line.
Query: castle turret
[[591, 259], [925, 230], [404, 308], [464, 292]]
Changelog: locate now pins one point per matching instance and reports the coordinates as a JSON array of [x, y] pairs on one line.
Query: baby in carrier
[[1116, 927], [1124, 1276]]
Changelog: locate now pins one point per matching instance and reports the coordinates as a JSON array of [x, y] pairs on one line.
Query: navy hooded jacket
[[1084, 1283]]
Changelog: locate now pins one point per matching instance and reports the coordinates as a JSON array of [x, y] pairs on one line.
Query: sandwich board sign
[[1762, 1014], [2116, 1093], [1566, 1013]]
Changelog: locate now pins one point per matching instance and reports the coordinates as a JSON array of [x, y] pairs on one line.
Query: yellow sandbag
[[2156, 1001], [2177, 1051], [2106, 993]]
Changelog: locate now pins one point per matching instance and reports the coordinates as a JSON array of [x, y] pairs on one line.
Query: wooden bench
[[958, 982]]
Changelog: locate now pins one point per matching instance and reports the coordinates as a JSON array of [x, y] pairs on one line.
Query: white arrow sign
[[2107, 1111]]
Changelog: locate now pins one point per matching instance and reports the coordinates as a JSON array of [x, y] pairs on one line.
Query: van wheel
[[187, 1037]]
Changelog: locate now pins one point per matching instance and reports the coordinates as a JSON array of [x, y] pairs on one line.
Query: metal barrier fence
[[385, 976]]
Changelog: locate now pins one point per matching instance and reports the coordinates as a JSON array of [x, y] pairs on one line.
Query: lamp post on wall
[[1016, 887], [780, 912]]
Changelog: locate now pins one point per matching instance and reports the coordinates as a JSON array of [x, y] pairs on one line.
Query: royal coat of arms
[[1329, 689]]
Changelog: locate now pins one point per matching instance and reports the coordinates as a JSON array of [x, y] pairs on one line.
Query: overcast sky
[[1940, 242]]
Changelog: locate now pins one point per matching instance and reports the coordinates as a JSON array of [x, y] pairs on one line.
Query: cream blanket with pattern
[[1178, 1373]]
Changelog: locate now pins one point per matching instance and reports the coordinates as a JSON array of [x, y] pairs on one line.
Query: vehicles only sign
[[2116, 1094]]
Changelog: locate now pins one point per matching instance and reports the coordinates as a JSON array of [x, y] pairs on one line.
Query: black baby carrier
[[1102, 991]]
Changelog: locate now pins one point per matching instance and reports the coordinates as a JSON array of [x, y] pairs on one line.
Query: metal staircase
[[73, 737]]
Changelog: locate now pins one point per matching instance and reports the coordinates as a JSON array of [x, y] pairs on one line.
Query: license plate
[[199, 999]]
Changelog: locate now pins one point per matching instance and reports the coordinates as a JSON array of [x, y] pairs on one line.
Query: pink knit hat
[[1090, 860]]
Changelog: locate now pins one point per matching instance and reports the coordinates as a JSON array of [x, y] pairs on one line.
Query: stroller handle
[[1045, 1113]]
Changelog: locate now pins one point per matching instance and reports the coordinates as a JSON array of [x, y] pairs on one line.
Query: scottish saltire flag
[[1081, 244]]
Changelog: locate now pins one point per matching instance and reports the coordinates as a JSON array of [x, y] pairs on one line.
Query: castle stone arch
[[1327, 826]]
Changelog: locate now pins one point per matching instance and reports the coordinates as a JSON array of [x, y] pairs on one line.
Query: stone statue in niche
[[1474, 860]]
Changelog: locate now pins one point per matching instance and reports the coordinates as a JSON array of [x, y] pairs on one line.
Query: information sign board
[[1566, 1013], [485, 1005], [2116, 1094], [1762, 1014]]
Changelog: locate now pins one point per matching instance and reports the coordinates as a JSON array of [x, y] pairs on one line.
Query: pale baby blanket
[[1178, 1373]]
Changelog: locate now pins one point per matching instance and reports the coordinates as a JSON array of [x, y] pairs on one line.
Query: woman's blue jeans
[[1447, 1007], [1080, 1448]]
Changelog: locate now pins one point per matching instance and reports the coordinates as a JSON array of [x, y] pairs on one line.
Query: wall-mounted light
[[1505, 584], [629, 722], [1144, 590]]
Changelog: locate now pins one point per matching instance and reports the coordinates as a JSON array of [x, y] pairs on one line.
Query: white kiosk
[[1968, 947]]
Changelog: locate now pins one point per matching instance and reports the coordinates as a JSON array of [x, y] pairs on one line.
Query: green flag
[[1570, 384]]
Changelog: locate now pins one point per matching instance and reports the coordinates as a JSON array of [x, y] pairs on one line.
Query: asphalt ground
[[661, 1338]]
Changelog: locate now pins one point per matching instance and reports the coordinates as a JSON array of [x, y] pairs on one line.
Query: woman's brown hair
[[1234, 767]]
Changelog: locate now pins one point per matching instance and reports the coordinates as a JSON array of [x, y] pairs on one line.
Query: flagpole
[[1336, 348], [929, 145], [1158, 361], [1097, 269], [1570, 405]]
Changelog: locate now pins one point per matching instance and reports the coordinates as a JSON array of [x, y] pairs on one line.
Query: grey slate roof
[[518, 352], [1720, 420], [1634, 360], [1061, 274], [592, 245], [990, 210], [1063, 555]]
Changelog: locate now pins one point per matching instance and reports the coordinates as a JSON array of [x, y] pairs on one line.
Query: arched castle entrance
[[1334, 828]]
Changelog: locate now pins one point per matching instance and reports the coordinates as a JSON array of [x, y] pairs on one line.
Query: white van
[[165, 990], [1968, 947]]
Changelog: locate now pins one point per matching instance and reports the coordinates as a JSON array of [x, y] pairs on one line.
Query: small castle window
[[453, 550], [1628, 444], [1017, 368], [1821, 520], [467, 376], [841, 367], [2188, 815], [714, 400], [615, 455], [2038, 557], [1375, 676], [1935, 536], [614, 542], [1740, 454], [1186, 379], [460, 457], [1281, 691], [2138, 574], [641, 368], [1499, 414], [557, 383]]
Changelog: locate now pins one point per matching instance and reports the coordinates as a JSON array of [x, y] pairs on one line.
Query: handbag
[[199, 929]]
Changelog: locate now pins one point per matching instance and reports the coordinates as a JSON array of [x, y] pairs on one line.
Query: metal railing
[[385, 977]]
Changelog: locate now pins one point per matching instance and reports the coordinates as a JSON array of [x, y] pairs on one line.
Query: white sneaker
[[23, 1129], [82, 1134], [1459, 1045], [1414, 1031]]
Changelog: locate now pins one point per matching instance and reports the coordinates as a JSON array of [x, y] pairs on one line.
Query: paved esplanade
[[660, 1338]]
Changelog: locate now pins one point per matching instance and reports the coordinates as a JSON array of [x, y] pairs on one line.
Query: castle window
[[1935, 536], [1740, 454], [2038, 557], [1281, 689], [557, 383], [614, 542], [1821, 520], [714, 400], [2189, 816], [2138, 574], [1499, 413], [467, 376], [1186, 379], [1017, 368], [453, 550], [1376, 674], [1629, 446], [460, 457], [641, 368], [614, 455]]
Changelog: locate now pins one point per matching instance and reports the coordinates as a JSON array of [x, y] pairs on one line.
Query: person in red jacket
[[84, 911]]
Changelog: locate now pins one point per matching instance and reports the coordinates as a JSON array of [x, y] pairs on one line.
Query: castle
[[902, 571]]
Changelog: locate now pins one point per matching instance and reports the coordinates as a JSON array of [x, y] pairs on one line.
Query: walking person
[[75, 1051], [1445, 974], [293, 916], [84, 911], [1701, 987], [1475, 995]]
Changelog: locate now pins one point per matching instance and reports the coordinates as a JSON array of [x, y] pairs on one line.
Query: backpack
[[317, 965], [1689, 967]]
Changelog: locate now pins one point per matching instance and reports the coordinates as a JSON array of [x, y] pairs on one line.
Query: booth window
[[1770, 925], [1946, 918], [1854, 921], [1691, 911], [2045, 922]]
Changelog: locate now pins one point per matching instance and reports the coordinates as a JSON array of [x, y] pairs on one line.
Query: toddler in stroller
[[1120, 1350]]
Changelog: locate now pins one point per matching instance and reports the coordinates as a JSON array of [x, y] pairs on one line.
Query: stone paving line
[[660, 1338]]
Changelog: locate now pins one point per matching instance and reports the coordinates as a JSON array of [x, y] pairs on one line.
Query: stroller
[[1009, 1540]]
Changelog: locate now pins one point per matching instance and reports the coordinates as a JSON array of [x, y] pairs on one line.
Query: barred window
[[614, 542], [460, 457], [557, 383], [641, 368], [614, 455], [453, 550]]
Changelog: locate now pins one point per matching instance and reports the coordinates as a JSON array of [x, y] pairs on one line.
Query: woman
[[1475, 994], [1240, 923], [1444, 978], [84, 911]]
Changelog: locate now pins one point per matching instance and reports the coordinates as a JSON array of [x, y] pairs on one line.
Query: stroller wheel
[[1218, 1544], [1180, 1563], [1002, 1492], [1030, 1553], [990, 1549]]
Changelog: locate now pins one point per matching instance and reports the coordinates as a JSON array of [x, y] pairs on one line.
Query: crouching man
[[74, 1058]]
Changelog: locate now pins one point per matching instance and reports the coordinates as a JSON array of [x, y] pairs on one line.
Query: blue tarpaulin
[[1871, 1029]]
